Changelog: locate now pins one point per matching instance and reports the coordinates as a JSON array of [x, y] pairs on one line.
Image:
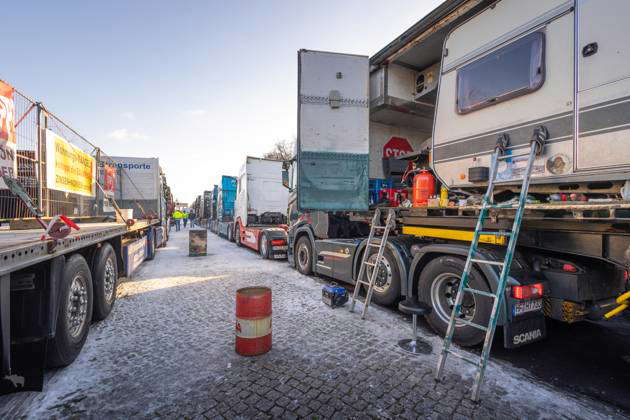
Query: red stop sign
[[396, 146]]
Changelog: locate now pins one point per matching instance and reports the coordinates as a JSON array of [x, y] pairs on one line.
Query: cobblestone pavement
[[167, 350]]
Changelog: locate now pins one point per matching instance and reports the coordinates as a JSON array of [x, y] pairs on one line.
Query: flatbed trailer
[[52, 289], [224, 223]]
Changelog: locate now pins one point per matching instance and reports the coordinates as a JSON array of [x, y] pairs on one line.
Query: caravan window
[[510, 71]]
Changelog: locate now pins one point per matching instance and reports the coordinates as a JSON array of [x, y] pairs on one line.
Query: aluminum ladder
[[369, 282], [536, 147]]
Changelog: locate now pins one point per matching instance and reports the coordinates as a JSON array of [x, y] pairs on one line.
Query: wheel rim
[[443, 295], [263, 246], [302, 256], [384, 275], [77, 305], [109, 281]]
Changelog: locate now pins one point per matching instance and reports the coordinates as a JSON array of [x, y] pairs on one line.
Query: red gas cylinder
[[253, 321], [423, 188]]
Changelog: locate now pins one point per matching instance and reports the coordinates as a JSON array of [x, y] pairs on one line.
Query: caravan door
[[603, 53], [333, 125]]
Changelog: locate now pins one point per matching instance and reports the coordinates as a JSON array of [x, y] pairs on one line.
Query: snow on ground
[[167, 351]]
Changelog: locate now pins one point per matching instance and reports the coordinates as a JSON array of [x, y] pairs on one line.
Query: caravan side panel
[[604, 85], [466, 139]]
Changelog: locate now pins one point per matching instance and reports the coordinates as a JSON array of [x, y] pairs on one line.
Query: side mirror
[[285, 178]]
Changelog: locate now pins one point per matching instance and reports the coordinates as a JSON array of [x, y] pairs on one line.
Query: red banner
[[7, 132], [109, 179]]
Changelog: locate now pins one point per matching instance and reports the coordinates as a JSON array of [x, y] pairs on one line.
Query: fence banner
[[68, 168], [109, 186], [7, 133]]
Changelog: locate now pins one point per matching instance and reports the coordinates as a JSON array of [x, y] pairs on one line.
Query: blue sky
[[198, 84]]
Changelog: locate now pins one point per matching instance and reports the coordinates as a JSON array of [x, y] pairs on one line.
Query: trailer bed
[[21, 248], [599, 230]]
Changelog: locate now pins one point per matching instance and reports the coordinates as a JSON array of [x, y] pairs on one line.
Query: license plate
[[279, 248], [279, 256], [527, 306]]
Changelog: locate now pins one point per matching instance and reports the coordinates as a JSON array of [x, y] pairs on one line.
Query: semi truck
[[260, 220], [224, 224], [212, 217], [206, 208], [470, 76], [63, 252]]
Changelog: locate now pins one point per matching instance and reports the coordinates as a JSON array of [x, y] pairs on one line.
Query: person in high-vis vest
[[178, 216]]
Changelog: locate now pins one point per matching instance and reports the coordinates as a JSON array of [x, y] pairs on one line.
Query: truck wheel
[[105, 275], [237, 235], [387, 284], [75, 313], [437, 287], [230, 234], [263, 248], [304, 255]]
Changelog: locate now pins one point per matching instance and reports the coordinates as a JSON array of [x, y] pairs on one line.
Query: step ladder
[[363, 278], [536, 147]]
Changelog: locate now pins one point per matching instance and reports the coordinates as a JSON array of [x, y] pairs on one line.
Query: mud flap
[[524, 330], [27, 373]]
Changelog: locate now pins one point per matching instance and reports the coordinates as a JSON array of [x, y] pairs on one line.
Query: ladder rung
[[486, 262], [472, 324], [374, 245], [499, 206], [513, 156], [480, 292], [464, 358], [378, 227], [369, 263], [496, 233], [367, 283]]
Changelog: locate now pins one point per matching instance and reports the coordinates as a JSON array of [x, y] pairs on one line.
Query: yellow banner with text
[[68, 168]]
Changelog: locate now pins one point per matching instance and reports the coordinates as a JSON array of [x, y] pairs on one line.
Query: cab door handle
[[590, 49]]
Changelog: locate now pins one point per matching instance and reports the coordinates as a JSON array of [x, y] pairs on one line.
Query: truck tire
[[230, 234], [437, 287], [263, 247], [105, 281], [237, 235], [75, 313], [304, 255], [387, 284]]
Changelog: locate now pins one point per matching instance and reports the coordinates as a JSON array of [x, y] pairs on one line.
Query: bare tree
[[282, 150]]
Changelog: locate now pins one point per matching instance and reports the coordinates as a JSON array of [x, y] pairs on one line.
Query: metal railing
[[32, 119]]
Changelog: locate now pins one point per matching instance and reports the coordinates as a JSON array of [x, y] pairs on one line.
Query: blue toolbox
[[334, 296]]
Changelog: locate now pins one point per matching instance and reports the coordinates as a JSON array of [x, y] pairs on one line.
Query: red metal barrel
[[253, 321]]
